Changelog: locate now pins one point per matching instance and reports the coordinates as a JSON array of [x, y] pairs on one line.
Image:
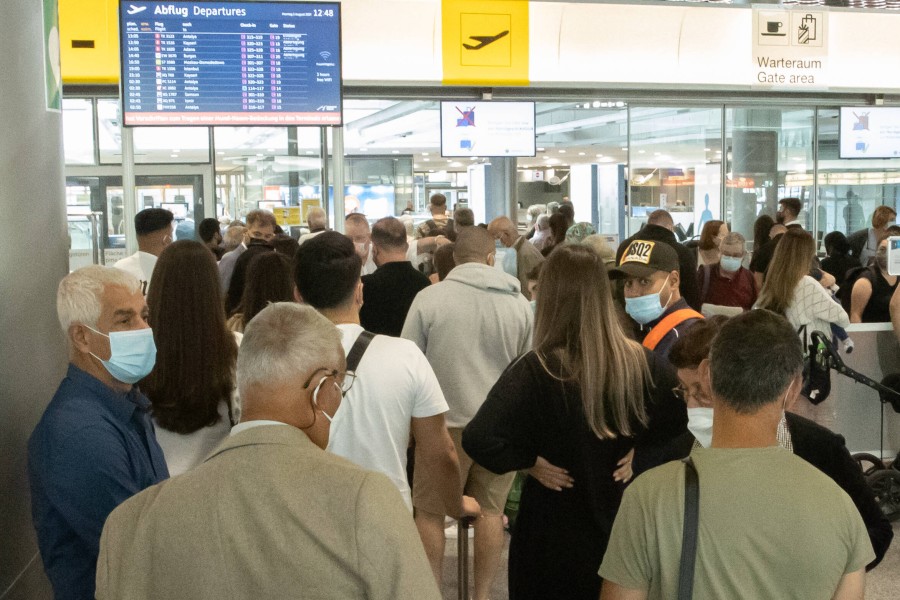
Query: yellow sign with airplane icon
[[485, 43]]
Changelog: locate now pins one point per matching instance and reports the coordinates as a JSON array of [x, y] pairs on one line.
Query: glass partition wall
[[616, 160]]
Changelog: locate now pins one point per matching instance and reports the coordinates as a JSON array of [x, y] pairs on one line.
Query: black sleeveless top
[[878, 308]]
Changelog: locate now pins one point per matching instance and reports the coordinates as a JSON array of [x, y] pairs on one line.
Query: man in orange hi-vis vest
[[652, 299]]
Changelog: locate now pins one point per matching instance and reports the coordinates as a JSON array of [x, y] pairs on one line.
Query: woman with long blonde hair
[[789, 290], [569, 410]]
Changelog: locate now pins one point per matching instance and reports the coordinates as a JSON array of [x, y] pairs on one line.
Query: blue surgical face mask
[[645, 309], [132, 354], [533, 305], [730, 264]]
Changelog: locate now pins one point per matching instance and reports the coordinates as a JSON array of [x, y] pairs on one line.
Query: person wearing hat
[[650, 270]]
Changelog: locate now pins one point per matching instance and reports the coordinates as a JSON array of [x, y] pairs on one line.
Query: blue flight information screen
[[230, 63]]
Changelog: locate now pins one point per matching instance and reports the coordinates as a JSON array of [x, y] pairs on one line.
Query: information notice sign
[[230, 63], [790, 49]]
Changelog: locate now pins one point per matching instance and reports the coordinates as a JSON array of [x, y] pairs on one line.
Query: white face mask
[[315, 400], [700, 421], [700, 424]]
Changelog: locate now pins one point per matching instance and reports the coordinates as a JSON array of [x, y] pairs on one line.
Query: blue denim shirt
[[93, 449]]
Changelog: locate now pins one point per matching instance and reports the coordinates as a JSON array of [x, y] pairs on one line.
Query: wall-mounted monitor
[[894, 255], [230, 63], [870, 132], [487, 129]]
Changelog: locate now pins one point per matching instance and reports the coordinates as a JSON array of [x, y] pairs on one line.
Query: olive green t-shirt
[[771, 526]]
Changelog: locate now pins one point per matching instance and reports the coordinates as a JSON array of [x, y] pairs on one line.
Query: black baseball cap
[[642, 258]]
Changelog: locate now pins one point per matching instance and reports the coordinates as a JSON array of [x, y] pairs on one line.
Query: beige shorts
[[489, 489]]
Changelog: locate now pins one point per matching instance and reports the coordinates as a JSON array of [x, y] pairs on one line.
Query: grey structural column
[[33, 258], [754, 154], [500, 186]]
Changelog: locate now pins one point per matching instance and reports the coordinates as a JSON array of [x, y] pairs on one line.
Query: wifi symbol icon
[[325, 54]]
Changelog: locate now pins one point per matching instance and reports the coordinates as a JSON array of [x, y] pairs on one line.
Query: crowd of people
[[252, 416]]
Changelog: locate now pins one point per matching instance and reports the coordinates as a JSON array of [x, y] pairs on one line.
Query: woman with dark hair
[[286, 245], [710, 239], [839, 260], [443, 262], [569, 411], [192, 387], [813, 443], [761, 229], [239, 275], [870, 298], [558, 228], [268, 280]]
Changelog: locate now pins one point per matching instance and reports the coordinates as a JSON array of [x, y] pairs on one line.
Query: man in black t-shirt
[[389, 291]]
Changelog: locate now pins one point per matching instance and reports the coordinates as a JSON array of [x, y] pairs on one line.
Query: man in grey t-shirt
[[770, 524]]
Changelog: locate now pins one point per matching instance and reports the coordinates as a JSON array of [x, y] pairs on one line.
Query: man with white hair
[[317, 221], [527, 256], [269, 514], [95, 445]]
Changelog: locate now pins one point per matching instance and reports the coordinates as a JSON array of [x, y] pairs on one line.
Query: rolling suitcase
[[462, 557]]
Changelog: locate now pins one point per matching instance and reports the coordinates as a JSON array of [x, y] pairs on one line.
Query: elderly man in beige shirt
[[270, 514], [527, 256]]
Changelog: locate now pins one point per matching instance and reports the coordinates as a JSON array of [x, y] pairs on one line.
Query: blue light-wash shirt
[[93, 449]]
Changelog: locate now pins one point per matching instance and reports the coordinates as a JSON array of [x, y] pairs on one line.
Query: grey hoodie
[[470, 326]]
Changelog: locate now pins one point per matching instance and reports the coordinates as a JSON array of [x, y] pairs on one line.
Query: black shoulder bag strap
[[358, 349], [689, 538], [705, 291]]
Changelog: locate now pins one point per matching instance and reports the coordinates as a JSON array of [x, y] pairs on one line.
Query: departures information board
[[230, 63]]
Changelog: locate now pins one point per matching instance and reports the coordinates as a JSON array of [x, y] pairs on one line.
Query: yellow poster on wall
[[485, 42], [308, 203], [287, 216]]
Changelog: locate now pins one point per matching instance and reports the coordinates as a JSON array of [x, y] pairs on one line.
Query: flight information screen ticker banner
[[230, 63]]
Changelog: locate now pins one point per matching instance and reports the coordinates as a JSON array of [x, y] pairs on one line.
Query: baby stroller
[[884, 481]]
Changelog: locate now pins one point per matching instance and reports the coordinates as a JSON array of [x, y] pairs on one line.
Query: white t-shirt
[[140, 264], [369, 266], [412, 255], [394, 383], [185, 451], [308, 236]]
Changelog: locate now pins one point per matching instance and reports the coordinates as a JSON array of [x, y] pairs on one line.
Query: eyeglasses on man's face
[[343, 380], [695, 392]]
